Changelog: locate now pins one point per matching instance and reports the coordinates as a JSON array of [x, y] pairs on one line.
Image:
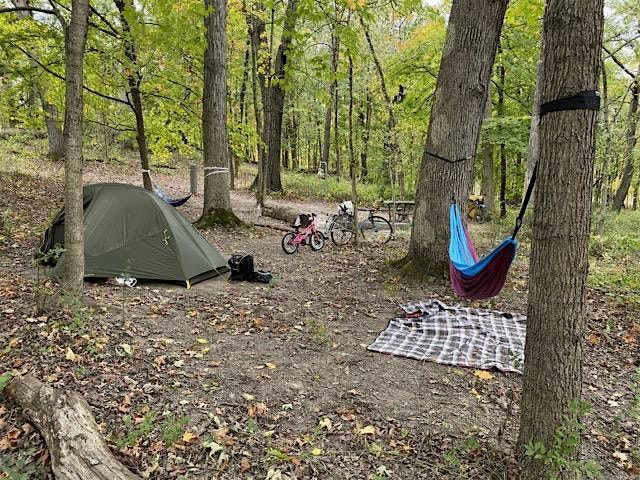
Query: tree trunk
[[73, 438], [604, 183], [134, 79], [533, 148], [333, 87], [295, 161], [366, 130], [503, 156], [458, 107], [75, 40], [353, 167], [632, 125], [51, 114], [274, 102], [559, 251], [217, 202]]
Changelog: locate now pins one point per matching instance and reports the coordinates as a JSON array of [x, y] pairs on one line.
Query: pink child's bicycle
[[306, 226]]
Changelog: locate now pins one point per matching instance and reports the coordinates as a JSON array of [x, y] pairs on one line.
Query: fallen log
[[280, 212], [76, 447]]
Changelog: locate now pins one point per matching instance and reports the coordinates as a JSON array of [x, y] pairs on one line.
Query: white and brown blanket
[[456, 335]]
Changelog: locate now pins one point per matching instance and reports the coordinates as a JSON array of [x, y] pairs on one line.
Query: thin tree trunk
[[353, 167], [295, 161], [503, 156], [458, 107], [559, 261], [604, 184], [632, 126], [366, 130], [51, 114], [390, 142], [336, 134], [75, 40], [215, 142], [533, 148], [333, 86], [134, 79], [488, 181]]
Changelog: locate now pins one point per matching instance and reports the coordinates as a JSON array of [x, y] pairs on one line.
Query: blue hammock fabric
[[472, 277], [176, 202]]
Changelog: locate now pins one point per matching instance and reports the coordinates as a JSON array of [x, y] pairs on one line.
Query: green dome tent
[[130, 231]]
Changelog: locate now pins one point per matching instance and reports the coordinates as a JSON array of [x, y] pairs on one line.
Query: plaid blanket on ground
[[456, 335]]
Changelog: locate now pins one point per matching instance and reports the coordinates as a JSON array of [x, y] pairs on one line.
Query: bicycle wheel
[[376, 230], [342, 229], [316, 241], [287, 244]]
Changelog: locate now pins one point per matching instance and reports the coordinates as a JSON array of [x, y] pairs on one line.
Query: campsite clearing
[[237, 380]]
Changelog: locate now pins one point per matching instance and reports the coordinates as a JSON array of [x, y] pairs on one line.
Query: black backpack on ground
[[242, 270]]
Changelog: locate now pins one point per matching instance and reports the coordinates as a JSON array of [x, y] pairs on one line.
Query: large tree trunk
[[51, 115], [274, 93], [215, 143], [458, 107], [134, 79], [75, 39], [559, 251], [632, 126], [64, 419]]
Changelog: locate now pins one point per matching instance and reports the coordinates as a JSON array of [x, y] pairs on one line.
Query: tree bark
[[76, 447], [632, 126], [274, 94], [459, 105], [353, 167], [134, 80], [572, 36], [215, 142], [75, 40]]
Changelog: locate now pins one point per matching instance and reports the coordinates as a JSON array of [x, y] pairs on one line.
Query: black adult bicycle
[[373, 229]]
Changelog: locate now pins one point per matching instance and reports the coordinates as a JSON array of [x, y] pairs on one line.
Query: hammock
[[176, 202], [476, 278], [472, 277]]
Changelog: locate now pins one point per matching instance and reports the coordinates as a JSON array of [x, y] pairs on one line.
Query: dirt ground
[[231, 380]]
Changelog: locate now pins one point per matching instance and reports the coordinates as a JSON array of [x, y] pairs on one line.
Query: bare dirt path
[[245, 380]]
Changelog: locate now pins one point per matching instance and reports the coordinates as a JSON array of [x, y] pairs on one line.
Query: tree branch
[[61, 77], [619, 63], [27, 9]]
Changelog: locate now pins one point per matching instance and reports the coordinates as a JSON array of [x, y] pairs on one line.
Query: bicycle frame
[[303, 234]]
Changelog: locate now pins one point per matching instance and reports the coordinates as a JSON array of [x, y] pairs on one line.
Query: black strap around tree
[[587, 100], [444, 159]]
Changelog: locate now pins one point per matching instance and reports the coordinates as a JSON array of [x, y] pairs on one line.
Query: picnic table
[[401, 210]]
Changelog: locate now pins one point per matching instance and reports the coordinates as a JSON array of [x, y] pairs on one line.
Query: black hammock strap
[[587, 100], [445, 159]]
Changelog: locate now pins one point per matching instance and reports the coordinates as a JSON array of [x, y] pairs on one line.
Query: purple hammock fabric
[[471, 277]]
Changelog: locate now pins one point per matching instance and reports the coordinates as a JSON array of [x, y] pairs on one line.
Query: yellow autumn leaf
[[188, 436], [483, 374], [368, 430], [202, 341], [316, 452], [326, 423], [69, 355], [270, 365]]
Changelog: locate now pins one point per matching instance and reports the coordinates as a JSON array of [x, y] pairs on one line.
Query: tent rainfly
[[129, 231]]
